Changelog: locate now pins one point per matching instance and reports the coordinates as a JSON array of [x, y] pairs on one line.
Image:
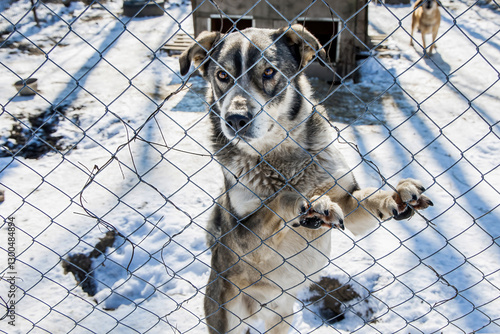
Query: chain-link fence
[[108, 177]]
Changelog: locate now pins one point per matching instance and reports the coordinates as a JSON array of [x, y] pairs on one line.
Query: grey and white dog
[[286, 185]]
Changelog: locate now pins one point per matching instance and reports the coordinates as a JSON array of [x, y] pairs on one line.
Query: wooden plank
[[180, 43]]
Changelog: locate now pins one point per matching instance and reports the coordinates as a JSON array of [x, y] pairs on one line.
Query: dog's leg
[[279, 315], [423, 42], [225, 306], [413, 23], [366, 207], [434, 35]]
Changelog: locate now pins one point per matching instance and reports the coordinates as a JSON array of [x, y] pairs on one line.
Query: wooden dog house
[[340, 25]]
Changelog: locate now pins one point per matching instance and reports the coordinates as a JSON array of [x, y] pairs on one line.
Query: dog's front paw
[[321, 212], [408, 197]]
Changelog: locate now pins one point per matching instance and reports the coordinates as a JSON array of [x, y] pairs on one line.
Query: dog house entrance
[[225, 24], [324, 30]]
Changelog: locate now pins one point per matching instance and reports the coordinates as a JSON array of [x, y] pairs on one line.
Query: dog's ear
[[198, 51], [417, 3], [308, 46]]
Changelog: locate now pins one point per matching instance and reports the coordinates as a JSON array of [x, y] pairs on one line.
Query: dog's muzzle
[[238, 117]]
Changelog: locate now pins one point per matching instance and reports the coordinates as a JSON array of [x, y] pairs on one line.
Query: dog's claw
[[408, 198], [407, 213], [340, 225]]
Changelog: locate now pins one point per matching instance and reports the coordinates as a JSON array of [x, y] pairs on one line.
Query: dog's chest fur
[[427, 20], [250, 181], [270, 174]]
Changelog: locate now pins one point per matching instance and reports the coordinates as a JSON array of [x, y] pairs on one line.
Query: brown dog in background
[[426, 18]]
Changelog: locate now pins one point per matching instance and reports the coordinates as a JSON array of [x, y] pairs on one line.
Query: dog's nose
[[237, 121]]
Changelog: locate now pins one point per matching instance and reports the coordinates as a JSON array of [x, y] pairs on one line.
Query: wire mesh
[[108, 177]]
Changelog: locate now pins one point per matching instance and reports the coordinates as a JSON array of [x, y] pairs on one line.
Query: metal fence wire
[[108, 177]]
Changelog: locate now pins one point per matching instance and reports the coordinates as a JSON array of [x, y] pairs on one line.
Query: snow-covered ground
[[435, 119]]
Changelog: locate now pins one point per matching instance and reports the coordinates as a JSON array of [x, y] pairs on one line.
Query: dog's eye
[[269, 73], [222, 75]]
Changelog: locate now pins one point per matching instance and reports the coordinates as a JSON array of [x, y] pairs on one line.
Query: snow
[[431, 118]]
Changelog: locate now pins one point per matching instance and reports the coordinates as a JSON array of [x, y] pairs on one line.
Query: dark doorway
[[324, 30], [225, 24]]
